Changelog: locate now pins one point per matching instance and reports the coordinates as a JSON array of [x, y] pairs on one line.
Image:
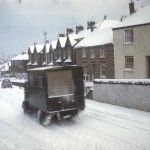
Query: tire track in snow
[[111, 137], [125, 119], [121, 117]]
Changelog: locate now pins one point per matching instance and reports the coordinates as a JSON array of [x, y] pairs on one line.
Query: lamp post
[[45, 41]]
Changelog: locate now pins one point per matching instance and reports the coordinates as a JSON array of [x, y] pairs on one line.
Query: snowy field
[[99, 127]]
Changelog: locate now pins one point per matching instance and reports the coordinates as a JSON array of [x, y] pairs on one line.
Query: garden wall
[[127, 93]]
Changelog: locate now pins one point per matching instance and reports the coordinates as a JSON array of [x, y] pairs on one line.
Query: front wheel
[[25, 106]]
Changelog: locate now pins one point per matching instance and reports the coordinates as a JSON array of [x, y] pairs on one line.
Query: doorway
[[148, 67]]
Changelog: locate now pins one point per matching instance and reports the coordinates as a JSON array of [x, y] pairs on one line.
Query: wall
[[127, 93]]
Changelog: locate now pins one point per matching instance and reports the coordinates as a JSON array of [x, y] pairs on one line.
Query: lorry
[[54, 92]]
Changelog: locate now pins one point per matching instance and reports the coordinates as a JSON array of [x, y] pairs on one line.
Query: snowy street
[[99, 127]]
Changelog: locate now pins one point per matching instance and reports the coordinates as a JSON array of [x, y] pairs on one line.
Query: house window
[[102, 53], [52, 56], [83, 53], [129, 62], [103, 70], [92, 53], [128, 36], [85, 70], [64, 53], [85, 73], [69, 53]]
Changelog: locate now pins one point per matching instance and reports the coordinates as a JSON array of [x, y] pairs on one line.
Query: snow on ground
[[99, 127]]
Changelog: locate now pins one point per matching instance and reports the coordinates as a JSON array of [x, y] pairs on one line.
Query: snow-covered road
[[99, 127]]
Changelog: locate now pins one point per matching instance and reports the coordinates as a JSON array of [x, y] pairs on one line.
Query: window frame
[[102, 53], [129, 62], [128, 36], [93, 53], [83, 53], [102, 74]]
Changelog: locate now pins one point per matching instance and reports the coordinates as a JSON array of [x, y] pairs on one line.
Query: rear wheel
[[44, 118]]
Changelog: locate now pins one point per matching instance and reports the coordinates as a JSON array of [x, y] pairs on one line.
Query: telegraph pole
[[45, 41], [3, 64]]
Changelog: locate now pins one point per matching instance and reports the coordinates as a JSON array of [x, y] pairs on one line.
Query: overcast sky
[[22, 22]]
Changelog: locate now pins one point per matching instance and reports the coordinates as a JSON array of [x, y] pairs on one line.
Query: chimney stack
[[79, 28], [35, 43], [61, 35], [91, 25], [47, 41], [131, 7], [105, 17], [69, 30], [122, 18]]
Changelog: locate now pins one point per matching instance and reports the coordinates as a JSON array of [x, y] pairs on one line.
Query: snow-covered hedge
[[127, 93]]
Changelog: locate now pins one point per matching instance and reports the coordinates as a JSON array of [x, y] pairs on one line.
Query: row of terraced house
[[85, 47], [108, 49]]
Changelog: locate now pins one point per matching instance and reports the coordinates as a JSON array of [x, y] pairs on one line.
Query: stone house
[[96, 52], [30, 55], [69, 52], [60, 48], [132, 45], [35, 57], [51, 53], [19, 63]]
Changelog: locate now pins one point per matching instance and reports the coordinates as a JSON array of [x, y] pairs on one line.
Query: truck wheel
[[40, 117], [43, 118]]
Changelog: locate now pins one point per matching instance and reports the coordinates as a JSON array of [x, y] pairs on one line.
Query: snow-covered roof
[[44, 68], [47, 47], [29, 63], [5, 66], [44, 63], [107, 24], [83, 34], [68, 60], [72, 38], [53, 44], [97, 37], [62, 41], [39, 47], [140, 17], [51, 64], [21, 57], [31, 48], [59, 60], [102, 34], [35, 63]]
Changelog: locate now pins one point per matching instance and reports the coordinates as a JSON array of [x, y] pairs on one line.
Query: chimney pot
[[91, 25], [79, 28], [61, 35], [35, 43], [131, 7], [105, 17], [69, 30]]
